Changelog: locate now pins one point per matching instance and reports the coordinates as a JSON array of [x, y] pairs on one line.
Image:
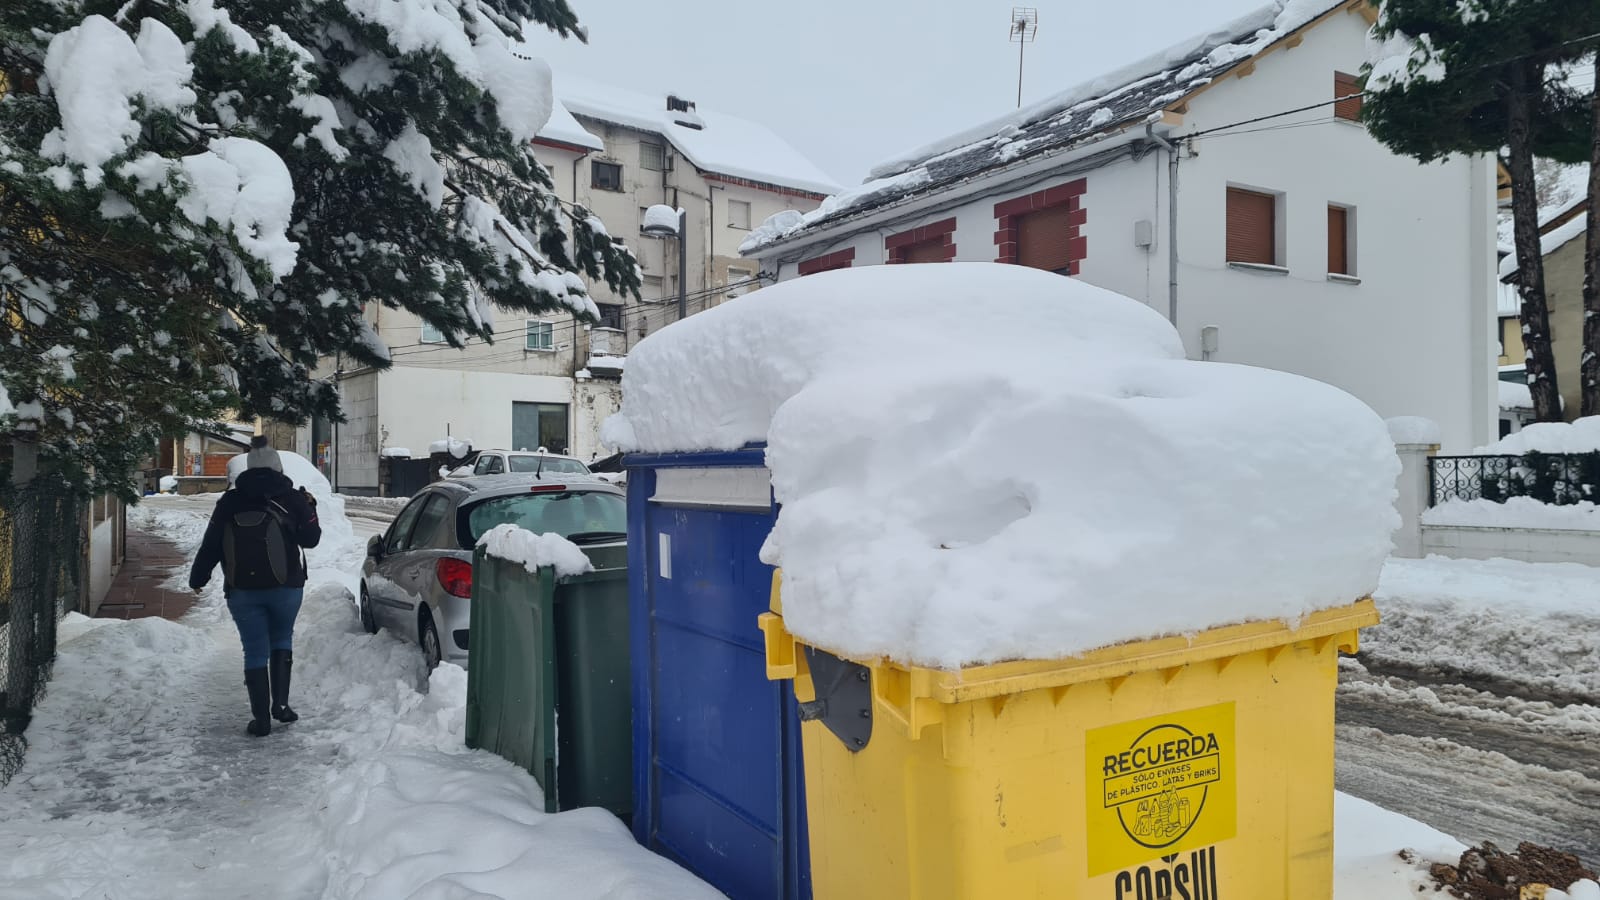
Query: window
[[1341, 237], [740, 281], [930, 252], [593, 516], [604, 176], [610, 315], [431, 334], [739, 214], [428, 522], [541, 335], [1252, 227], [650, 287], [1041, 240], [652, 157], [1343, 86], [535, 425], [401, 529]]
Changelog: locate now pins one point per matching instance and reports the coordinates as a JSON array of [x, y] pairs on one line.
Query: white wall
[[102, 558], [596, 400], [1526, 544], [1414, 337], [358, 439], [416, 406]]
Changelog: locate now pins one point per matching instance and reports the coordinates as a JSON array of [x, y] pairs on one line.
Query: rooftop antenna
[[1024, 28]]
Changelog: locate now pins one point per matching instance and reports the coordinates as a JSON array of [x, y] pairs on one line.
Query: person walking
[[257, 532]]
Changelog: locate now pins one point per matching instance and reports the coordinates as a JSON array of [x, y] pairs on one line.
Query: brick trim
[[839, 259], [941, 234], [1008, 213]]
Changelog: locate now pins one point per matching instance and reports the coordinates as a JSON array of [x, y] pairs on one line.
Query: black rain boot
[[282, 660], [255, 682]]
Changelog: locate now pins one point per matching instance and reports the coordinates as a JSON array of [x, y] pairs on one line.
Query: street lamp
[[662, 221]]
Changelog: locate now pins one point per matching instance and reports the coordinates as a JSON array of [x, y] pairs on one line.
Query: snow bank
[[1412, 430], [1491, 617], [1367, 841], [1582, 436], [1516, 512], [531, 551], [954, 493]]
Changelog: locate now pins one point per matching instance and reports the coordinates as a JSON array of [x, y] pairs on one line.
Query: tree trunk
[[1541, 360], [1589, 368]]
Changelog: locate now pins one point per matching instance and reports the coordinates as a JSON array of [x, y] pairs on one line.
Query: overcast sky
[[853, 82]]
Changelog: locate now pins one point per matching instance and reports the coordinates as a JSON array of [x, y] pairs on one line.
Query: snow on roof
[[1088, 111], [1507, 299], [564, 129], [724, 145], [1557, 238], [956, 494], [1581, 436], [1514, 395]]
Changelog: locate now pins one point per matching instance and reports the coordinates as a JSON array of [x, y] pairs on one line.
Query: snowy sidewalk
[[141, 587], [140, 781]]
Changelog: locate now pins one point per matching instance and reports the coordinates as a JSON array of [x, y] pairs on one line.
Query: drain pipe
[[1172, 221]]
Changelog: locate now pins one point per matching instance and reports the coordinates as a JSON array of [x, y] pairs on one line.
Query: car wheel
[[369, 622], [428, 636]]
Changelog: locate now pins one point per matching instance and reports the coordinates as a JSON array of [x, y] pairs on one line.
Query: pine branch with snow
[[1445, 77], [199, 200]]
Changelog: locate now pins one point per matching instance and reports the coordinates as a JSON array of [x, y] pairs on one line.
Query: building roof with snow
[[1092, 111], [1555, 231], [565, 131], [715, 142]]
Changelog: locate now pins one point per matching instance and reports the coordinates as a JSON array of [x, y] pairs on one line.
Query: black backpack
[[256, 547]]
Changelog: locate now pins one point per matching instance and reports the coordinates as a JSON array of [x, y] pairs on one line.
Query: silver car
[[417, 580]]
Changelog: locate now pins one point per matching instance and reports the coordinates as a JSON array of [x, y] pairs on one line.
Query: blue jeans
[[265, 618]]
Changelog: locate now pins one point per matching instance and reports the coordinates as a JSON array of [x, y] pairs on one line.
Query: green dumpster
[[548, 677]]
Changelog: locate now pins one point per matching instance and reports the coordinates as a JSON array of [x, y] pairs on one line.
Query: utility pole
[[1024, 28], [683, 263]]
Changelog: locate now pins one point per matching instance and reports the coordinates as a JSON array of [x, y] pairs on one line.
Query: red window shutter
[[926, 252], [1252, 227], [1338, 251], [1343, 86], [1042, 239]]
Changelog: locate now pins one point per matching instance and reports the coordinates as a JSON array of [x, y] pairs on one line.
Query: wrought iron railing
[[1556, 478]]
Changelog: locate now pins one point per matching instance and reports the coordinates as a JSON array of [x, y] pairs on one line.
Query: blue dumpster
[[716, 746]]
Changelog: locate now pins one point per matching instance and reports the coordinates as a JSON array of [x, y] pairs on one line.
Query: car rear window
[[552, 465], [590, 515]]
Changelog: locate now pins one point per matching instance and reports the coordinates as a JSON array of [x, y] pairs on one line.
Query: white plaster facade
[[433, 389], [1411, 334]]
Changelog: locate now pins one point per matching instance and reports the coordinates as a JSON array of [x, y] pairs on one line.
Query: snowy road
[[1451, 717]]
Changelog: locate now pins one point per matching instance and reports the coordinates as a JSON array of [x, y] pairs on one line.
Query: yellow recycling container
[[1189, 768]]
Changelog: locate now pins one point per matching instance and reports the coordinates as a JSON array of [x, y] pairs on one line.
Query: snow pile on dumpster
[[979, 462], [518, 545]]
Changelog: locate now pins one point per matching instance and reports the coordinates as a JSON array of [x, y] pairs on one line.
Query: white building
[[549, 380], [1301, 244]]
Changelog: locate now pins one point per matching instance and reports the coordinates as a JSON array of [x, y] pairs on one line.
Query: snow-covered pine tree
[[1482, 76], [197, 198]]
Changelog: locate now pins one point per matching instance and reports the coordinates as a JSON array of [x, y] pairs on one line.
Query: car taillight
[[546, 488], [455, 576]]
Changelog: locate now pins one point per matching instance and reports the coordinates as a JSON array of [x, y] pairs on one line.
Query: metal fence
[[41, 579], [1556, 478]]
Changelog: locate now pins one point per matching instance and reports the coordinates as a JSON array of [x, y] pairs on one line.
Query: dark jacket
[[253, 488]]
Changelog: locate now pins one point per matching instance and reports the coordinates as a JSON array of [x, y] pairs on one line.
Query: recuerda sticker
[[1159, 786]]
